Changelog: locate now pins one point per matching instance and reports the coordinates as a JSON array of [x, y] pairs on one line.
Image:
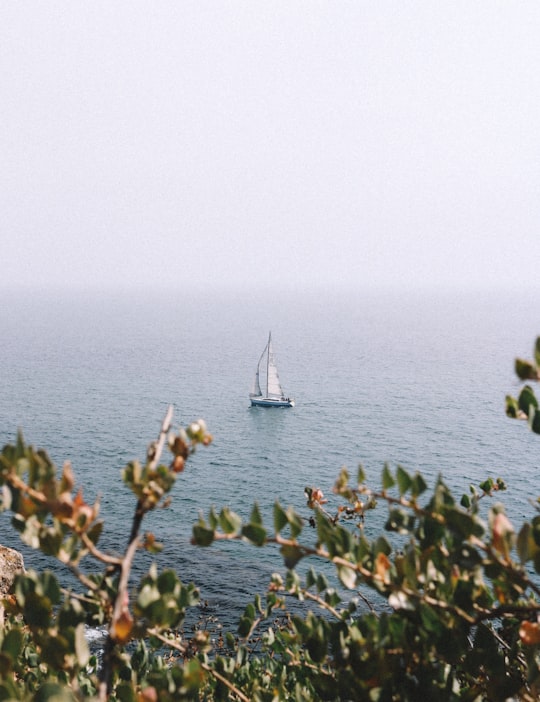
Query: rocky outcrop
[[11, 563]]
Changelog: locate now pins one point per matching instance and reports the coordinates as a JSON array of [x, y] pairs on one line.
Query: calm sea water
[[418, 379]]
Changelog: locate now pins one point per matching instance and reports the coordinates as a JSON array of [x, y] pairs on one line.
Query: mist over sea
[[417, 379]]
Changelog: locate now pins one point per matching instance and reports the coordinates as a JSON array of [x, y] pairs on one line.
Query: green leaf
[[70, 614], [81, 646], [193, 676], [20, 448], [347, 577], [229, 522], [202, 535], [536, 530], [6, 497], [244, 627], [525, 370], [522, 543], [213, 519], [51, 588], [361, 476], [527, 399], [381, 545], [256, 515], [387, 479], [291, 555], [487, 485], [315, 638], [167, 581], [534, 420], [37, 610], [311, 578], [403, 480], [12, 643], [147, 596], [322, 582], [331, 597], [280, 517], [246, 621], [50, 541], [512, 407], [463, 523], [125, 693], [295, 522], [537, 351], [418, 485], [399, 600], [8, 690], [53, 692], [400, 521], [254, 533], [536, 561]]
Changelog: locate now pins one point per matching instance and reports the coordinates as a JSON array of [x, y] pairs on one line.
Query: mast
[[269, 349]]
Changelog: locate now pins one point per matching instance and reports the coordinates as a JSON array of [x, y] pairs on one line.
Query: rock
[[11, 563]]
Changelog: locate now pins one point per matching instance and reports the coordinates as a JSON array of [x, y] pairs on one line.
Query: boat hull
[[271, 402]]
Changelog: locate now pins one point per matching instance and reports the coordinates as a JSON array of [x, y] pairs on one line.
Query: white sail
[[273, 386], [256, 389]]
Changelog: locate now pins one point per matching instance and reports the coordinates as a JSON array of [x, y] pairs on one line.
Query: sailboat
[[273, 395]]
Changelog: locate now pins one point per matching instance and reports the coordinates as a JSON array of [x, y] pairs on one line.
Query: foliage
[[443, 605], [461, 614], [43, 649], [525, 406]]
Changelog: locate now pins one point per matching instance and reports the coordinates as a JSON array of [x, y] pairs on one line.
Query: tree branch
[[204, 666], [125, 564]]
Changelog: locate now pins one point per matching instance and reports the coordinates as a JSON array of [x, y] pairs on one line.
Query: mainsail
[[273, 386]]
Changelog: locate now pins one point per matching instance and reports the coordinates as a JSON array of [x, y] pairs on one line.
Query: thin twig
[[98, 555], [165, 426], [366, 601], [179, 647], [83, 579], [319, 600], [124, 566]]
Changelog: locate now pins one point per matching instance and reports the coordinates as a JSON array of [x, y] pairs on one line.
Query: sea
[[415, 378]]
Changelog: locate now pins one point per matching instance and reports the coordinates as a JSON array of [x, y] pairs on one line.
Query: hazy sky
[[285, 143]]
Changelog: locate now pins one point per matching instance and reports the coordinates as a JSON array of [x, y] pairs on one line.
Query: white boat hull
[[271, 402]]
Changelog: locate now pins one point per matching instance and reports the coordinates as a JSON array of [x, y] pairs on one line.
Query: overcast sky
[[291, 144]]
